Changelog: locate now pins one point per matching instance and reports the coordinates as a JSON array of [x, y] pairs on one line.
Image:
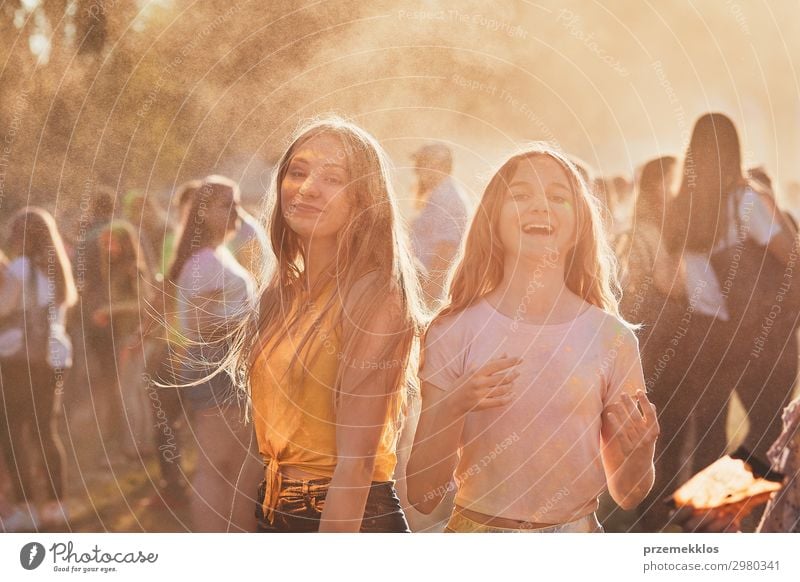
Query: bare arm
[[628, 448], [434, 455], [366, 396]]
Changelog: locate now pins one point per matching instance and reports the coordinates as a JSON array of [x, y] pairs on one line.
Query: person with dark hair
[[722, 227], [653, 296], [35, 351], [771, 365], [622, 206], [647, 267], [150, 224], [164, 347], [212, 292], [250, 245]]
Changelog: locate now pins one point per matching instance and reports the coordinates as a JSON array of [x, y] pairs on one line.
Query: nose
[[539, 203], [309, 185]]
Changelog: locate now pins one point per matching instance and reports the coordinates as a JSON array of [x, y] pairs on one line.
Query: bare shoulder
[[373, 287], [375, 302]]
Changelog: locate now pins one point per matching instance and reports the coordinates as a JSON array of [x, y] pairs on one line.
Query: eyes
[[329, 177], [524, 195]]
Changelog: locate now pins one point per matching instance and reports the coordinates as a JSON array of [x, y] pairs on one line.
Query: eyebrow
[[302, 160], [553, 185]]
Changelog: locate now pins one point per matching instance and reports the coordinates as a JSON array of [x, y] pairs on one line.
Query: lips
[[538, 229], [304, 208]]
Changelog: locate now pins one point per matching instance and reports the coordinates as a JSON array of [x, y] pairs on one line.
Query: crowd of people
[[486, 369]]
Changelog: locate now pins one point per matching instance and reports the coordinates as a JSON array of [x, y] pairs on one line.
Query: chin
[[544, 250]]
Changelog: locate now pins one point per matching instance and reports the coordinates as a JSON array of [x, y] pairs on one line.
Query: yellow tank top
[[294, 405]]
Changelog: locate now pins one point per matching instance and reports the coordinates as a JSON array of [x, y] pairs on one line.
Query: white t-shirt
[[212, 289], [537, 459], [12, 292], [756, 221]]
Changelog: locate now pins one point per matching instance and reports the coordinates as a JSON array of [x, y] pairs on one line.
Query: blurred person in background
[[718, 218], [212, 293], [782, 514], [250, 244], [654, 297], [650, 274], [792, 198], [603, 190], [151, 226], [439, 226], [35, 352], [164, 350], [6, 504], [771, 373], [623, 203], [179, 205], [116, 318]]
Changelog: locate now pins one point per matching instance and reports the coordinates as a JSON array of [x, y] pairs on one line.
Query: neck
[[320, 253], [536, 282]]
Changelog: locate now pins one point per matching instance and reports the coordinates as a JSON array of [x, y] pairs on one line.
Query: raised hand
[[629, 428]]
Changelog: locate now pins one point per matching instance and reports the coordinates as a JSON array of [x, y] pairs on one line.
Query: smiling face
[[537, 216], [314, 197]]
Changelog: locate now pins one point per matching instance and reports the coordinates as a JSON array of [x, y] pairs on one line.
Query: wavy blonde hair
[[373, 244], [590, 264]]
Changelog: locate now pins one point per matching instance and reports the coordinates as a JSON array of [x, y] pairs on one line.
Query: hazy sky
[[613, 82]]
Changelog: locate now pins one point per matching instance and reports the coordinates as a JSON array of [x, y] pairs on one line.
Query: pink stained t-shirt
[[537, 459]]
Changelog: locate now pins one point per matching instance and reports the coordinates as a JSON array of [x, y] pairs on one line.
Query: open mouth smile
[[538, 229]]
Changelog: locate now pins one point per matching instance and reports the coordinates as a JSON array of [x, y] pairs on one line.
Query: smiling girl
[[531, 381], [327, 370]]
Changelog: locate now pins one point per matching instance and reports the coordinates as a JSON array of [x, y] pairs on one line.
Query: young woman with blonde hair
[[328, 358], [531, 378]]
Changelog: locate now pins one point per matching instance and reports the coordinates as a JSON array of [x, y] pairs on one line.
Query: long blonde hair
[[373, 244], [590, 264]]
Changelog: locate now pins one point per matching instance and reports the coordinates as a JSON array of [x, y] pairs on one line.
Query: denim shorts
[[300, 505]]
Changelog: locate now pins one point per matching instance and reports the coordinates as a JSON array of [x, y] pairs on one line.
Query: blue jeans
[[300, 505]]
